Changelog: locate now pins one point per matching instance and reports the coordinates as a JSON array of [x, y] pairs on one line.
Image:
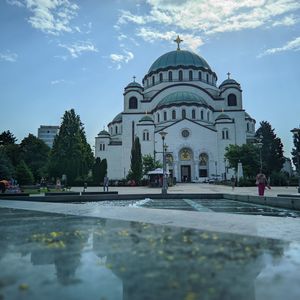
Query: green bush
[[24, 174], [246, 182], [279, 179]]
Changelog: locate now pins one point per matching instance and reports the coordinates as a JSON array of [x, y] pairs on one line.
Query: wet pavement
[[62, 256]]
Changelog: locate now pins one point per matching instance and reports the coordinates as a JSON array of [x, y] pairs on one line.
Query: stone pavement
[[190, 188]]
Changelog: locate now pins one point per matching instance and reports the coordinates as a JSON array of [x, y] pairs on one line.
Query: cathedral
[[180, 97]]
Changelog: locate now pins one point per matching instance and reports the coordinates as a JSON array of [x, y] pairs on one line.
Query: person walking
[[105, 183], [261, 182], [232, 180]]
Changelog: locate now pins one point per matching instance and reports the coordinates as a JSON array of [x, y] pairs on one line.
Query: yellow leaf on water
[[23, 286], [190, 296]]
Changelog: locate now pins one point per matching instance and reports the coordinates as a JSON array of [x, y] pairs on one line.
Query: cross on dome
[[178, 41], [134, 78], [228, 74]]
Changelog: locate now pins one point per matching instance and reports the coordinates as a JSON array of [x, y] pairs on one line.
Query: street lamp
[[164, 185], [296, 131]]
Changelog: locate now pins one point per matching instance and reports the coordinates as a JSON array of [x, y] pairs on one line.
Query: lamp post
[[164, 185], [296, 131]]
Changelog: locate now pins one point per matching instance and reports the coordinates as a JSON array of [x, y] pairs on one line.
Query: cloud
[[120, 59], [49, 16], [150, 35], [293, 45], [8, 56], [60, 81], [78, 48], [212, 16], [286, 21], [15, 2]]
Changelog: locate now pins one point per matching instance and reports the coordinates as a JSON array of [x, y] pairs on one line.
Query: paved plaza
[[197, 188]]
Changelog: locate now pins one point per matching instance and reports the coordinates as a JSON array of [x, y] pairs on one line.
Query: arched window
[[206, 77], [111, 130], [173, 114], [160, 77], [165, 116], [116, 129], [183, 114], [225, 134], [200, 75], [231, 100], [191, 75], [193, 114], [170, 75], [153, 80], [201, 115], [208, 116], [248, 127], [145, 135], [102, 147], [133, 103], [158, 119], [180, 75]]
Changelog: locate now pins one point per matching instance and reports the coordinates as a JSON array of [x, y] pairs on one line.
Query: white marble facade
[[179, 95]]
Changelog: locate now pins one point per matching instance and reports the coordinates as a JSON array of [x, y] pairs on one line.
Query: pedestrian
[[261, 182], [105, 183], [84, 187], [232, 180]]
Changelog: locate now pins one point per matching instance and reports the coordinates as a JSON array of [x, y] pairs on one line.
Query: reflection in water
[[69, 257]]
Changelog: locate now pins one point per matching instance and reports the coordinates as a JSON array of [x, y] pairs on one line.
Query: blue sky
[[61, 54]]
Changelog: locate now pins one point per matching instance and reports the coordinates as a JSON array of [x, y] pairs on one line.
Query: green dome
[[181, 98], [146, 118], [117, 118], [103, 132], [222, 117], [133, 84], [229, 81], [179, 58]]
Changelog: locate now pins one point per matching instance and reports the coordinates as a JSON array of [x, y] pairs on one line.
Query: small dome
[[103, 133], [223, 117], [133, 84], [181, 98], [229, 81], [117, 118], [179, 58], [248, 117], [146, 118]]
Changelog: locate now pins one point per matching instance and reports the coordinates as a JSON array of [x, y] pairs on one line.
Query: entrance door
[[185, 173]]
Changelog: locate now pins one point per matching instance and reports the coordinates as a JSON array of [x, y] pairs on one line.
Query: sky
[[61, 54]]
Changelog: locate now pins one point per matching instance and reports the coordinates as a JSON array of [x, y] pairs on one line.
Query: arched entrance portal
[[186, 156]]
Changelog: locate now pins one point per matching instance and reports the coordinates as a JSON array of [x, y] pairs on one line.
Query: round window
[[185, 133]]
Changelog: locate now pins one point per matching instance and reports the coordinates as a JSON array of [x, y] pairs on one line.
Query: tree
[[24, 174], [150, 164], [103, 169], [296, 151], [71, 154], [272, 149], [6, 167], [35, 153], [136, 166], [247, 154], [6, 138], [96, 171]]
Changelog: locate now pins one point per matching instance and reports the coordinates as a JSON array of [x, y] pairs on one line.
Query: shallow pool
[[55, 256], [218, 205]]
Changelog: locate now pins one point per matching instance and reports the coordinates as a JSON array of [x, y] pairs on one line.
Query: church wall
[[200, 140]]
